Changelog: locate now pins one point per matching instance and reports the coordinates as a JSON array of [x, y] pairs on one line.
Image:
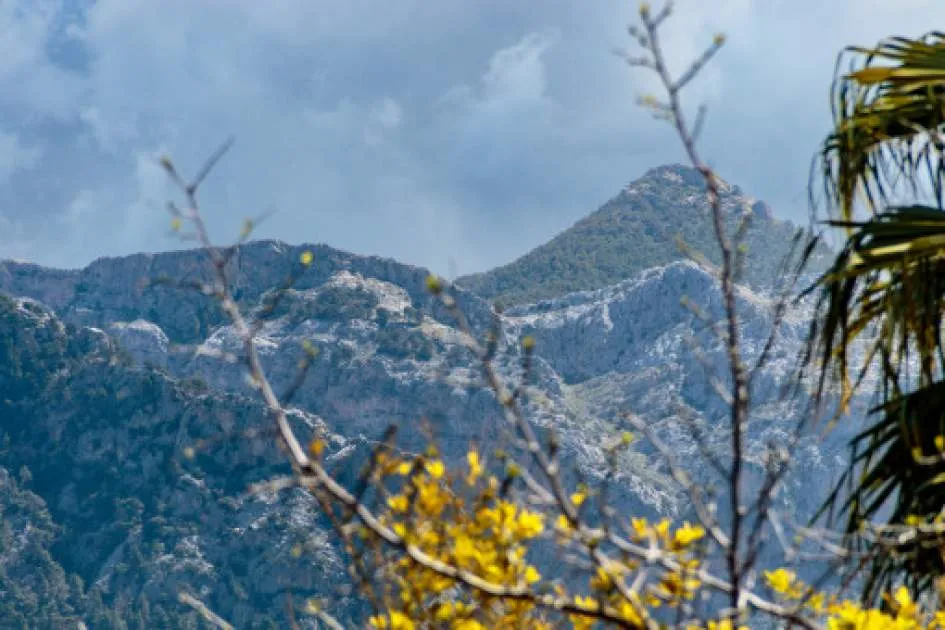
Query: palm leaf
[[886, 289], [887, 117], [887, 477]]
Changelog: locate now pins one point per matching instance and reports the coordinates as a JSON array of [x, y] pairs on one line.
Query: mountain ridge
[[637, 229], [111, 392], [125, 517]]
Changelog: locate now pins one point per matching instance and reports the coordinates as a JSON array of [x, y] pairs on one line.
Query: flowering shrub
[[900, 611], [465, 557]]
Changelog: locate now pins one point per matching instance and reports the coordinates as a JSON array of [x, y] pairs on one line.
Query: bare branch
[[203, 611], [740, 391]]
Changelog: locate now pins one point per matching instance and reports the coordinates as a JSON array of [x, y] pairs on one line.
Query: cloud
[[387, 114], [424, 131], [516, 75], [14, 156]]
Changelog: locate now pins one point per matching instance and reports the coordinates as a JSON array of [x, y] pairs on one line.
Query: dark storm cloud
[[427, 131]]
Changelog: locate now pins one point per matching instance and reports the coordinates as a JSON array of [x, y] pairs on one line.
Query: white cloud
[[517, 75], [15, 156], [32, 85], [26, 28], [109, 135], [414, 129], [383, 118], [387, 113]]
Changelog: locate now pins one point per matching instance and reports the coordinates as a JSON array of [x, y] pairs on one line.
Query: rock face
[[146, 342], [158, 288], [129, 445], [133, 485], [102, 407]]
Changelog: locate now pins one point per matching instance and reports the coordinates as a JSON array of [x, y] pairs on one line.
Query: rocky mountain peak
[[675, 174], [642, 227]]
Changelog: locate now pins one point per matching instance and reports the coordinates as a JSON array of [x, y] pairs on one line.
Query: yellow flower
[[530, 524], [849, 615], [475, 467], [603, 579], [630, 612], [674, 585], [429, 538], [583, 622], [398, 503], [563, 524], [687, 534], [435, 468], [816, 602], [780, 580], [394, 620], [316, 447], [578, 497], [905, 607], [464, 550], [306, 258], [430, 498], [661, 529], [450, 610], [531, 574]]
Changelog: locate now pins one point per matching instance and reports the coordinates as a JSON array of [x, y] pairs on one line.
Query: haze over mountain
[[127, 457]]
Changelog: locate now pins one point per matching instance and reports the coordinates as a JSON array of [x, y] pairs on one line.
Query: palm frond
[[889, 474], [889, 111], [889, 279], [885, 296]]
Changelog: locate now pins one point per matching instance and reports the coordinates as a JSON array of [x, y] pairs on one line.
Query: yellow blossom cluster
[[900, 612], [476, 532], [473, 539], [465, 520], [609, 584]]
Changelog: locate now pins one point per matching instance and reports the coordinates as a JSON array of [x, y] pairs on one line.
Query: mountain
[[636, 230], [107, 517], [129, 450]]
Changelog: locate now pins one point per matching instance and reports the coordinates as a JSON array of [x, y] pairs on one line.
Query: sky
[[452, 134]]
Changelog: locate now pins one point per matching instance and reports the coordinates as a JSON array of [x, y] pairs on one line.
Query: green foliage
[[331, 303], [98, 498], [635, 231], [402, 342], [885, 293], [34, 591]]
